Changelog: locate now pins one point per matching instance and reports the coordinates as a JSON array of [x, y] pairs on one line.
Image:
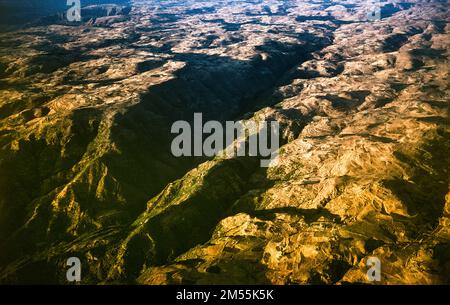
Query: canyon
[[86, 168]]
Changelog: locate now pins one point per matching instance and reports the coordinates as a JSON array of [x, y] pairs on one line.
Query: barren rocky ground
[[86, 169]]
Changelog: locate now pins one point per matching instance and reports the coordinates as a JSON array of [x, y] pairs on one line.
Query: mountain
[[20, 12], [86, 168]]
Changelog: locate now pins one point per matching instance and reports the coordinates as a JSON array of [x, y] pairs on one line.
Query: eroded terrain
[[86, 168]]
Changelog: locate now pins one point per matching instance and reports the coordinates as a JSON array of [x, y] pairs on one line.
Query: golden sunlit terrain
[[86, 168]]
